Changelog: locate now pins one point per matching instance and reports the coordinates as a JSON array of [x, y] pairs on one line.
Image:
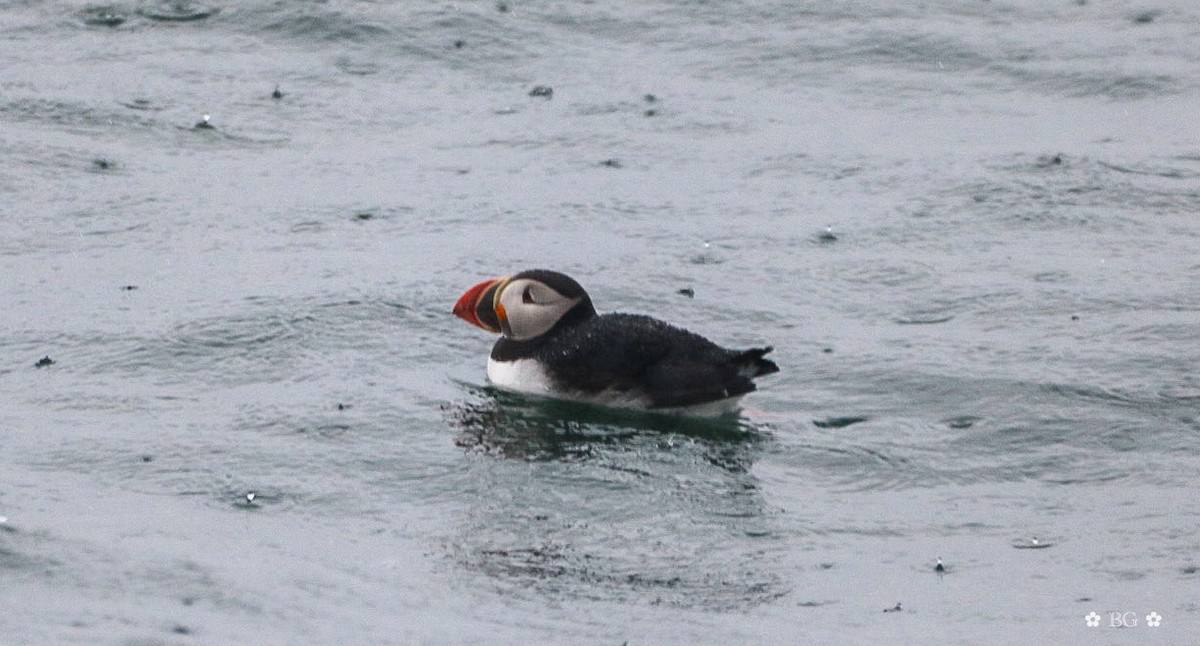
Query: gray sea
[[235, 407]]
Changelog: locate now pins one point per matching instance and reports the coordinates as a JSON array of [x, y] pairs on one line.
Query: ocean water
[[235, 408]]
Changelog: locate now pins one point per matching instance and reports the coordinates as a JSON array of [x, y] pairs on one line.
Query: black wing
[[678, 381], [669, 365]]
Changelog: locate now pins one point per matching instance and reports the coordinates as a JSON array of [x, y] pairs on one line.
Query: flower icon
[[1153, 619], [1092, 619]]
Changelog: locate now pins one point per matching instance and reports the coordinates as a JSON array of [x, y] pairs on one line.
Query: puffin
[[553, 343]]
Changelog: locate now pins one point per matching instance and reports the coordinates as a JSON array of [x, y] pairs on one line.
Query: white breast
[[528, 376], [522, 375]]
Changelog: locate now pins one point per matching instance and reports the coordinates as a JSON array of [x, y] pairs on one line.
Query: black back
[[589, 353]]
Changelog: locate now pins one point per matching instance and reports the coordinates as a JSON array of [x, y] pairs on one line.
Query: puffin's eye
[[527, 295]]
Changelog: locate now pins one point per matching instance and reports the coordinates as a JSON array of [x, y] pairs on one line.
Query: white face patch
[[530, 308]]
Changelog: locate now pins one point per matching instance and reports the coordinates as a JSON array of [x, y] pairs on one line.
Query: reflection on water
[[511, 425], [602, 504]]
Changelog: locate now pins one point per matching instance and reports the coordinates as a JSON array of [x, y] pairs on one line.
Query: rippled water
[[968, 229]]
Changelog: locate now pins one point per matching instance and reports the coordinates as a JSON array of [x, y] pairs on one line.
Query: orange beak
[[475, 305]]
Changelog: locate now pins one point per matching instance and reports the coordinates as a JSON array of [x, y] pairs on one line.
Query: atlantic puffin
[[553, 343]]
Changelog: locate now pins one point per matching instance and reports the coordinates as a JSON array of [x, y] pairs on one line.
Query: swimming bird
[[553, 343]]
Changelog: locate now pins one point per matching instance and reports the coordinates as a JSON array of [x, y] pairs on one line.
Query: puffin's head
[[525, 305]]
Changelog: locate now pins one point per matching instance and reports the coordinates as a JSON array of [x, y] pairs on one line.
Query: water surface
[[969, 230]]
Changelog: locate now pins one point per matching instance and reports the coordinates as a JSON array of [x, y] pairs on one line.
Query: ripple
[[962, 421], [931, 316], [883, 272], [329, 26], [71, 114], [560, 570], [104, 16], [1032, 543], [1052, 277], [1098, 394], [141, 103], [248, 348], [357, 68], [177, 11], [839, 422], [1153, 171], [1181, 393], [1078, 192]]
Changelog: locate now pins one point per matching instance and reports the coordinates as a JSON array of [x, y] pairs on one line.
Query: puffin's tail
[[750, 363]]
